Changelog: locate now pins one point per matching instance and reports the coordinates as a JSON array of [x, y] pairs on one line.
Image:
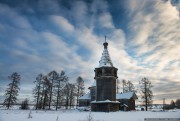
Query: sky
[[38, 36]]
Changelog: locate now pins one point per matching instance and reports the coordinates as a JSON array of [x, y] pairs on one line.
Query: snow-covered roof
[[126, 95], [105, 58], [87, 96], [105, 101]]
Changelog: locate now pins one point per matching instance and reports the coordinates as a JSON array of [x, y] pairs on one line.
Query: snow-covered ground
[[75, 115]]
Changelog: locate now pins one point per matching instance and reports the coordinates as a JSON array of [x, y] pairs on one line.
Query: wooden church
[[126, 100], [102, 96]]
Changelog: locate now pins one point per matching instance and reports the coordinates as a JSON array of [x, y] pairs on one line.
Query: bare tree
[[12, 91], [46, 92], [80, 88], [66, 94], [146, 91], [60, 83], [69, 93], [72, 94], [130, 87], [124, 85], [52, 76], [37, 91]]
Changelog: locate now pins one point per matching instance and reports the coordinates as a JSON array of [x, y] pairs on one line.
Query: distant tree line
[[172, 105]]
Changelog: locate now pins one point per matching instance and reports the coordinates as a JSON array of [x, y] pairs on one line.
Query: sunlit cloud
[[37, 38]]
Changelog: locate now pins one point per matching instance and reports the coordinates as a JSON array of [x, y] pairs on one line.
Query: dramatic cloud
[[143, 37], [156, 41]]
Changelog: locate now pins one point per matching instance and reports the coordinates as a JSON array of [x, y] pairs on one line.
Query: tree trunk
[[10, 94], [145, 95], [38, 97], [41, 105], [57, 99], [71, 98], [77, 97], [50, 95], [45, 98], [67, 102]]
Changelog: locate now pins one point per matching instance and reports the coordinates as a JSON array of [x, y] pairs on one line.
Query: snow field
[[75, 115]]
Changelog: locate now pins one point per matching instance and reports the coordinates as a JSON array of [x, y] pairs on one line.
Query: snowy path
[[74, 115]]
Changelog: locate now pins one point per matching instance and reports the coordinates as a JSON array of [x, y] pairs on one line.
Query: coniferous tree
[[173, 105], [12, 91], [146, 91], [80, 88]]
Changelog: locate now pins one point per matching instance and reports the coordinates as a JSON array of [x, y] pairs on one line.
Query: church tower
[[105, 76]]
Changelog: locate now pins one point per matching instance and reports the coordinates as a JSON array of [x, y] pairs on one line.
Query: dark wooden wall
[[129, 102], [84, 103]]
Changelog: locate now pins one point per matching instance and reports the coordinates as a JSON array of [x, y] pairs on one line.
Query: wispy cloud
[[62, 23], [55, 35]]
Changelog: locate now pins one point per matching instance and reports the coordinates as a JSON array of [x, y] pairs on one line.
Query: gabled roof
[[126, 95], [87, 96]]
